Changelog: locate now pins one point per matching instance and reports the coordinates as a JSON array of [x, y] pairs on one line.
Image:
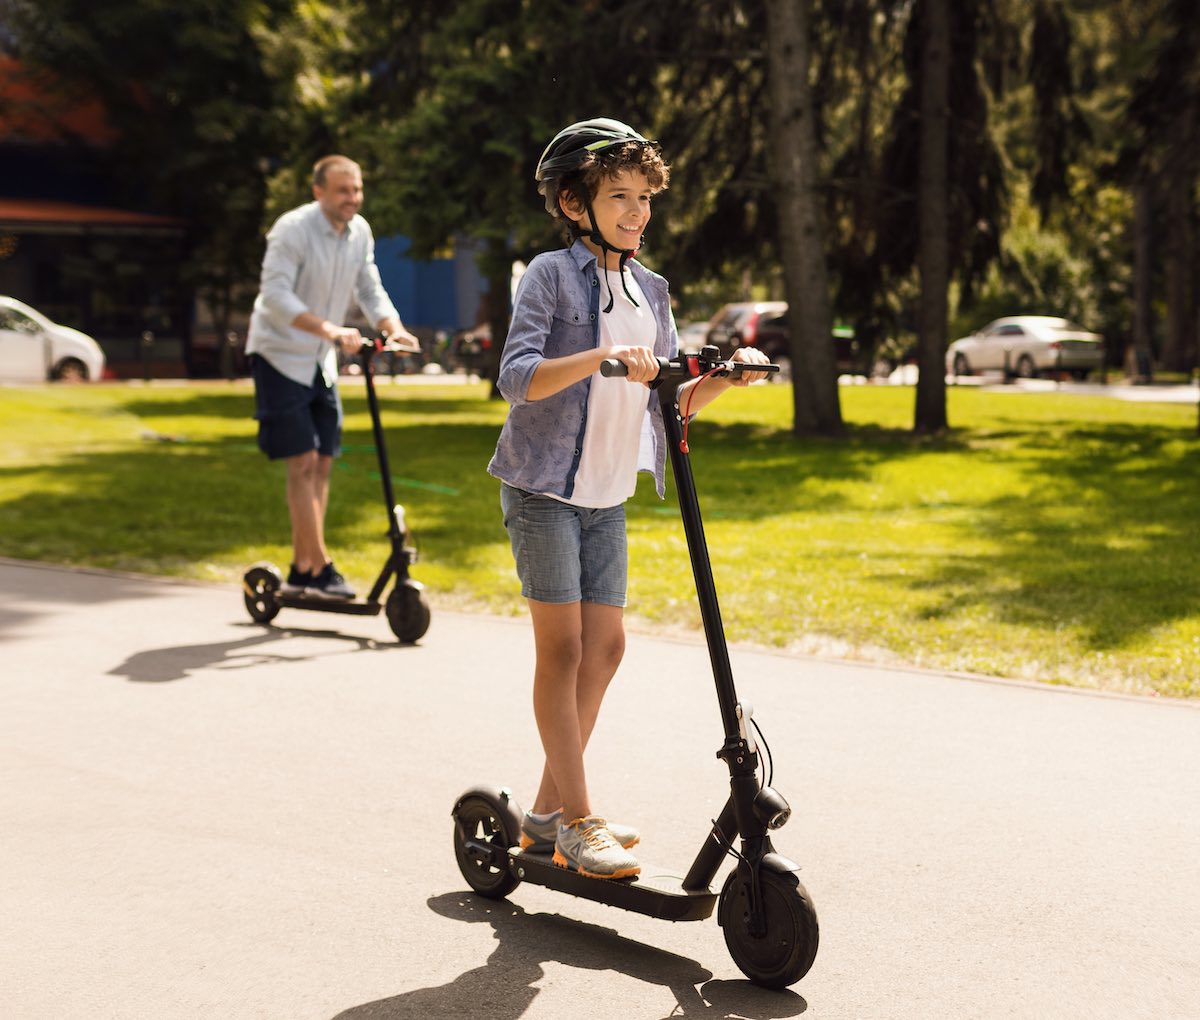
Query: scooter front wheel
[[408, 613], [785, 950], [483, 832], [260, 589]]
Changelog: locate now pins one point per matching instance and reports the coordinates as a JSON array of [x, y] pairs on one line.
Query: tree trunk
[[933, 221], [1179, 268], [1139, 364], [793, 166]]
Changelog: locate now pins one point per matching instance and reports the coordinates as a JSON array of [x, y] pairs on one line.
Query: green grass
[[1049, 537]]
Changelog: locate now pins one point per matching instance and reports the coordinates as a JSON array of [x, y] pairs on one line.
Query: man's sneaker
[[327, 583], [586, 846], [538, 837], [297, 581]]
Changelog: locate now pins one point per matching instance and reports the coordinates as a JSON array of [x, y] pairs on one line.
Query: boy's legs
[[579, 647]]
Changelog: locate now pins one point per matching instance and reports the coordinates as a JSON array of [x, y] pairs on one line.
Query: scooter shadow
[[504, 988], [176, 662]]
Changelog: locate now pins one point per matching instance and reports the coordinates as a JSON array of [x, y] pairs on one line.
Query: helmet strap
[[625, 254]]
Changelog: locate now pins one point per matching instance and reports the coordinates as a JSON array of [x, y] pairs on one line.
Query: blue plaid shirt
[[557, 313]]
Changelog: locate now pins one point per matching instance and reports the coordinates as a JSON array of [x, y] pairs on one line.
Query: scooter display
[[768, 919], [407, 610]]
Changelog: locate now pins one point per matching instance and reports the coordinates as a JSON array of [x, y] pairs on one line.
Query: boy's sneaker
[[539, 837], [297, 581], [586, 846], [327, 583]]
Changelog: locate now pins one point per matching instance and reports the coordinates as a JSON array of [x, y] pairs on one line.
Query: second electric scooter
[[769, 922], [407, 611]]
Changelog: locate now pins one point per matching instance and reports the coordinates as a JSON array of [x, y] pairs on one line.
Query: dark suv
[[764, 324], [741, 325]]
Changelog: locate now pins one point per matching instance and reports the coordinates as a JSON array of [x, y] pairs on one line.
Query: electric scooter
[[407, 610], [769, 922]]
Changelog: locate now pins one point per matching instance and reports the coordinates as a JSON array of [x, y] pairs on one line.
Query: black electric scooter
[[406, 608], [769, 922]]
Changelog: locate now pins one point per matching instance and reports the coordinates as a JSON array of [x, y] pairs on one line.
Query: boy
[[570, 451]]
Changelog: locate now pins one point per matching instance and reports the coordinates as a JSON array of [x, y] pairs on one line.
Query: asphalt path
[[201, 817]]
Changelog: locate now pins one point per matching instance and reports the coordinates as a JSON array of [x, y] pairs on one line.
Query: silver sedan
[[1027, 346]]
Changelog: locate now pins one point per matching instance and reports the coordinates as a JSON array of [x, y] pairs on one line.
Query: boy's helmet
[[568, 149]]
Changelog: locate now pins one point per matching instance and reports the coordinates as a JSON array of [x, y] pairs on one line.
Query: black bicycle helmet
[[567, 152], [568, 149]]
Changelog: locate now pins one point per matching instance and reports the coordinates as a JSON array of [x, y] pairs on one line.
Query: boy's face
[[622, 208]]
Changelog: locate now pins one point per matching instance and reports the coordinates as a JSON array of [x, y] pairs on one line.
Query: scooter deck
[[352, 607], [654, 892]]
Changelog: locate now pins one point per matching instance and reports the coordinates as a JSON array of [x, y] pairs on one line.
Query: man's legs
[[307, 498]]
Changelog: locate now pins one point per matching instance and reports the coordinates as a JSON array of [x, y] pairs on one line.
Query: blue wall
[[433, 294]]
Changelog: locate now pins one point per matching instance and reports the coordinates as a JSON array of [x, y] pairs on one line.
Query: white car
[[34, 349], [1025, 346]]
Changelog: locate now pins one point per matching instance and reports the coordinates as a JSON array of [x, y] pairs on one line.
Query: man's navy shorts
[[293, 419]]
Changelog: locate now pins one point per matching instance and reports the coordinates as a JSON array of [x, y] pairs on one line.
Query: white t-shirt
[[617, 441]]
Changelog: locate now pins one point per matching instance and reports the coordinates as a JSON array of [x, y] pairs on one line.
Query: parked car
[[764, 324], [737, 325], [34, 349], [1026, 346]]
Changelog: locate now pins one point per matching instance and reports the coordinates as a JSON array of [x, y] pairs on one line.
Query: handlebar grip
[[611, 367]]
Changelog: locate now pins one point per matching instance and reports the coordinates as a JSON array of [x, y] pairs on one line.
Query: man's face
[[341, 196]]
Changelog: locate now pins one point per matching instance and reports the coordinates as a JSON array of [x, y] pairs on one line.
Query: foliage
[[192, 102], [1049, 537]]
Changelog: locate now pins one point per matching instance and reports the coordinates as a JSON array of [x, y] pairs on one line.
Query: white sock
[[543, 819]]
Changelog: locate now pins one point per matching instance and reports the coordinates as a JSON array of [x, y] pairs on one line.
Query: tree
[[194, 111], [925, 165], [1164, 117], [933, 257], [793, 162]]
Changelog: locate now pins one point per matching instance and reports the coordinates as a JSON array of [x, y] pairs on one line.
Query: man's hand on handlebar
[[345, 338], [401, 341]]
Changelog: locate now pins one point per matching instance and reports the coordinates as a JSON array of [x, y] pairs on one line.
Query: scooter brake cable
[[687, 411]]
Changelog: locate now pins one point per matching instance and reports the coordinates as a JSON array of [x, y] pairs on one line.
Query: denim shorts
[[566, 553], [293, 419]]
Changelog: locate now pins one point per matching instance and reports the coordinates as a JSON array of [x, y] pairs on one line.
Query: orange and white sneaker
[[585, 845], [540, 836]]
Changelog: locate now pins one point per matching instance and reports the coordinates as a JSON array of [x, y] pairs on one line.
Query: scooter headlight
[[771, 809]]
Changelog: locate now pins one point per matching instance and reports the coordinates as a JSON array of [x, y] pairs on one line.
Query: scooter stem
[[706, 591], [368, 369]]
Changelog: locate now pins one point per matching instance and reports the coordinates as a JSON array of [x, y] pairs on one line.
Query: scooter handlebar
[[385, 344], [688, 366]]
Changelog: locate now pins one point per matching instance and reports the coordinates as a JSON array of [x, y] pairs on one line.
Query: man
[[318, 257]]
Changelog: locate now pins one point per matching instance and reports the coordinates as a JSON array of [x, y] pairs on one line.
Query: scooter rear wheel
[[481, 842], [260, 589], [783, 954], [408, 613]]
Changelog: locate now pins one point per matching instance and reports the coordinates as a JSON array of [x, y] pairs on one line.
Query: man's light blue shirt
[[555, 313], [310, 267]]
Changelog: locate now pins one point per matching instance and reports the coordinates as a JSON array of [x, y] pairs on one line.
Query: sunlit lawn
[[1050, 536]]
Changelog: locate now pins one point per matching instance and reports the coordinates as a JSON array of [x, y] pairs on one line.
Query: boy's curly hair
[[583, 182]]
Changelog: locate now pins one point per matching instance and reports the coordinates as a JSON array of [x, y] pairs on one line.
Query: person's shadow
[[156, 665], [504, 987]]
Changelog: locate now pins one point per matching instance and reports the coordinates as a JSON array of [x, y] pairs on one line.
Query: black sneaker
[[327, 583], [297, 581]]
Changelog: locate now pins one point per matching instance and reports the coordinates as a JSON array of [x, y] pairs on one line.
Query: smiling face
[[622, 208], [341, 196]]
